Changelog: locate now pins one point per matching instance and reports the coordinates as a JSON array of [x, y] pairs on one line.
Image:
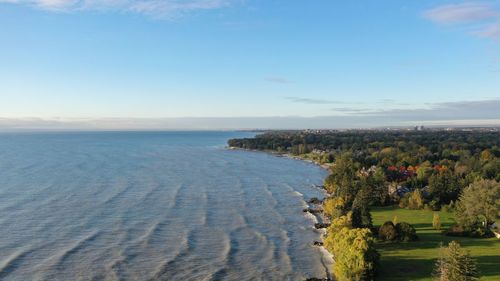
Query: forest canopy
[[439, 163]]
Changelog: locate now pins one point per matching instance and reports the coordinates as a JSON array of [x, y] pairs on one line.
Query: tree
[[478, 205], [406, 232], [361, 216], [415, 202], [334, 207], [374, 184], [343, 180], [444, 187], [486, 155], [355, 255], [436, 221], [387, 232], [491, 170], [424, 172], [395, 220], [339, 223], [455, 264]]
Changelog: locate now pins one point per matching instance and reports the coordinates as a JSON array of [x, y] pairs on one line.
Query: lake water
[[153, 206]]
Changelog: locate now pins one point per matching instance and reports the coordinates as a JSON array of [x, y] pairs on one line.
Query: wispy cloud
[[278, 80], [351, 110], [463, 110], [165, 9], [479, 109], [459, 13], [391, 102], [480, 18], [492, 31], [231, 123], [312, 101], [352, 104]]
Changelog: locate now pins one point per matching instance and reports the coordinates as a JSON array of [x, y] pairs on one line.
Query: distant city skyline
[[240, 64]]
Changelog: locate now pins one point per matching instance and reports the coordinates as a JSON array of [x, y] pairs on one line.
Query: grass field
[[415, 260]]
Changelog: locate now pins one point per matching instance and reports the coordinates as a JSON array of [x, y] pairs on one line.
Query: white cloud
[[154, 8], [482, 19]]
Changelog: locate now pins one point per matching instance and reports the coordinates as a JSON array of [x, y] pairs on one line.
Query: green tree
[[444, 187], [491, 170], [343, 180], [424, 172], [406, 232], [387, 232], [455, 264], [478, 205], [361, 216], [375, 186]]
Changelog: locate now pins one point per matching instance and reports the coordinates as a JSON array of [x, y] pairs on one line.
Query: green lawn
[[415, 260]]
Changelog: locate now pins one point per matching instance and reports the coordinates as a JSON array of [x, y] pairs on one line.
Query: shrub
[[406, 232], [456, 230], [481, 232], [455, 264], [387, 232], [436, 221], [434, 205]]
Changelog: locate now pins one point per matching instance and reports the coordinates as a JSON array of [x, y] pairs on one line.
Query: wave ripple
[[152, 206]]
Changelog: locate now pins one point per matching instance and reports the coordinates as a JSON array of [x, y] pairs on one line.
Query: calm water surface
[[152, 206]]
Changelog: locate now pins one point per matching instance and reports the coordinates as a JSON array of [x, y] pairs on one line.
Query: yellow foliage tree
[[334, 207], [436, 221], [354, 253], [336, 225], [415, 202]]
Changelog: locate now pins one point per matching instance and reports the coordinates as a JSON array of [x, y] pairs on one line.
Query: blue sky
[[246, 64]]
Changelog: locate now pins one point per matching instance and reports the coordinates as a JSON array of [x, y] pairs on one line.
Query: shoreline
[[311, 212], [284, 155]]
